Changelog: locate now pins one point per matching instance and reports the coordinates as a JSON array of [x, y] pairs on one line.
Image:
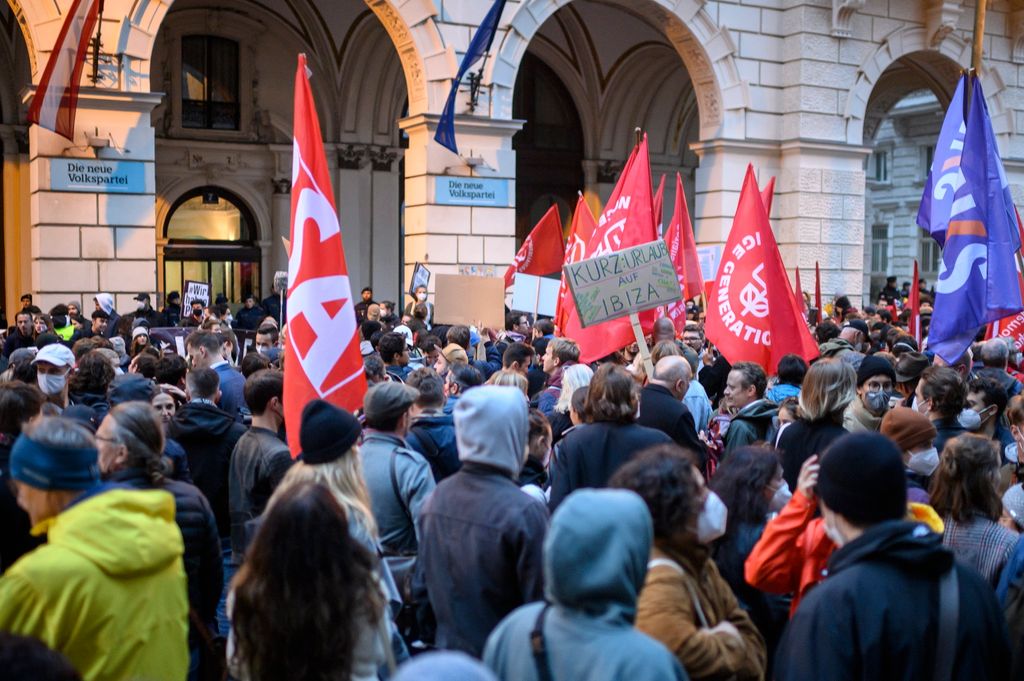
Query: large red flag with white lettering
[[627, 220], [583, 227], [54, 103], [675, 240], [542, 251], [322, 358], [751, 315]]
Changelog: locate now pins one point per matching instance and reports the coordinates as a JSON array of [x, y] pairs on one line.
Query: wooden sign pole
[[641, 342]]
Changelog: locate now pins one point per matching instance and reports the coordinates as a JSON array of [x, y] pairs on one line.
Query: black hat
[[221, 299], [142, 296], [326, 432], [910, 365], [874, 366], [862, 479], [860, 325], [172, 296], [130, 388], [890, 279]]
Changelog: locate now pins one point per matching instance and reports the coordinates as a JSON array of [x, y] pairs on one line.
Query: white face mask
[[924, 463], [422, 297], [52, 384], [712, 520], [969, 419], [780, 498], [141, 306]]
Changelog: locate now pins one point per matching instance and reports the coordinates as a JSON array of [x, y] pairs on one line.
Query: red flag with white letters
[[675, 240], [542, 251], [583, 227], [322, 358], [751, 314], [627, 220]]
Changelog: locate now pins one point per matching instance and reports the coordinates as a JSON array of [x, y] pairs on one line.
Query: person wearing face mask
[[896, 603], [751, 486], [987, 398], [145, 312], [941, 395], [420, 296], [875, 380], [53, 365], [914, 435], [685, 603]]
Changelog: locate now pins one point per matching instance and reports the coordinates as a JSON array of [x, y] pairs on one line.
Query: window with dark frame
[[209, 83]]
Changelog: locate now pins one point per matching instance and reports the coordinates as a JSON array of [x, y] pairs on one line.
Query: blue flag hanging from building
[[478, 47], [944, 176], [977, 281]]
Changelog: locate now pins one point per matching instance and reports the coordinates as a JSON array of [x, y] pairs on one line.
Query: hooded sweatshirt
[[595, 561], [106, 303], [108, 588], [481, 537]]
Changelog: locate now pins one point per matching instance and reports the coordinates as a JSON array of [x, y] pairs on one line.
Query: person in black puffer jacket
[[432, 432], [130, 442]]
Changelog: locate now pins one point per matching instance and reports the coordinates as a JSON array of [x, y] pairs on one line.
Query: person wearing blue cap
[[108, 588]]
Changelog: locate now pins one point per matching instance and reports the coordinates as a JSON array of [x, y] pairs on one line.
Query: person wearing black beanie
[[895, 603], [326, 432], [876, 380]]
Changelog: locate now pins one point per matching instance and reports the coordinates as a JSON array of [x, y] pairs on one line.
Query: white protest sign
[[623, 282], [525, 295], [195, 290], [709, 257]]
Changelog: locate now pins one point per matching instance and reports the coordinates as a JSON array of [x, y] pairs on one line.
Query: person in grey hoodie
[[481, 537], [595, 562], [105, 302]]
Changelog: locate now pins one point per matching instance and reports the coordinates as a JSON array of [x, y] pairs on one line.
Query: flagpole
[[980, 8]]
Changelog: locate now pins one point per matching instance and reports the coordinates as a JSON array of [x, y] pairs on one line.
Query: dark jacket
[[95, 401], [433, 436], [947, 429], [249, 319], [560, 423], [751, 424], [194, 517], [713, 379], [232, 391], [801, 440], [272, 304], [258, 463], [590, 455], [209, 435], [152, 318], [876, 615], [171, 315], [1002, 377], [15, 539], [659, 409], [16, 341]]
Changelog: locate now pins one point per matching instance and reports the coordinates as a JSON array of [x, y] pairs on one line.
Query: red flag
[[914, 324], [751, 313], [675, 239], [54, 103], [322, 358], [583, 227], [798, 292], [694, 286], [817, 291], [1010, 327], [659, 199], [767, 196], [542, 251], [627, 220]]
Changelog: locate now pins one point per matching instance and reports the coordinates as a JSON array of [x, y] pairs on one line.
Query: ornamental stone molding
[[940, 19], [842, 14]]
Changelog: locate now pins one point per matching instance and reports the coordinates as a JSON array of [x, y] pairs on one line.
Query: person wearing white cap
[[53, 364]]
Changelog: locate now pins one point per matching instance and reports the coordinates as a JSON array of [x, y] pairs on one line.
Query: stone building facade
[[196, 99]]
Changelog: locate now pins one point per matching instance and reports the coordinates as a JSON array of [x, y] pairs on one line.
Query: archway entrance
[[210, 237]]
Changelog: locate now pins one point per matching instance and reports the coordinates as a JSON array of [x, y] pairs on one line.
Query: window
[[880, 248], [931, 255], [927, 156], [209, 83], [878, 166]]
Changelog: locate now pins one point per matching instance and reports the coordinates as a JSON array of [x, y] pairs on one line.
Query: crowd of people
[[499, 510]]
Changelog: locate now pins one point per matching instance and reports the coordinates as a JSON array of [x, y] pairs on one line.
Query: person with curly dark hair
[[685, 602], [306, 603], [89, 382], [941, 395], [750, 484]]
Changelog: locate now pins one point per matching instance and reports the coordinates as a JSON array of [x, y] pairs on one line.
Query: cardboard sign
[[525, 295], [420, 277], [195, 290], [623, 282], [460, 299]]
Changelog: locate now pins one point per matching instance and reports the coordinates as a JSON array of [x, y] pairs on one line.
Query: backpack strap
[[949, 617], [538, 646], [665, 562]]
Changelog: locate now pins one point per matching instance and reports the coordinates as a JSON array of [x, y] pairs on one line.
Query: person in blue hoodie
[[595, 562], [790, 373]]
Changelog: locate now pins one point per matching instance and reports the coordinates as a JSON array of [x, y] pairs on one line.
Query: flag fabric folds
[[583, 227], [56, 99], [914, 303], [939, 199], [478, 47], [977, 281], [676, 240], [751, 314], [627, 220], [659, 201], [542, 251], [798, 293], [768, 195], [817, 293], [322, 358]]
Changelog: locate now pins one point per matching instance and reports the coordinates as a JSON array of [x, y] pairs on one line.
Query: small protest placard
[[526, 297], [195, 290], [460, 299], [420, 277], [622, 283]]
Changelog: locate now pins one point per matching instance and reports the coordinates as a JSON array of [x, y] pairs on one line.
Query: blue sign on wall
[[471, 191], [94, 175]]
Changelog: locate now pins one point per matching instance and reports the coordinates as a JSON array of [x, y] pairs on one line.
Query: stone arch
[[370, 64], [252, 194], [421, 50], [905, 42], [706, 49]]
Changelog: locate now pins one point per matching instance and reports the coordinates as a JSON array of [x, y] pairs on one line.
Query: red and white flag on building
[[322, 358], [751, 314], [627, 220], [583, 227], [676, 240], [53, 106], [542, 251]]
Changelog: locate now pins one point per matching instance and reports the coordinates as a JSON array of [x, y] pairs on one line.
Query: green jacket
[[108, 589], [752, 423]]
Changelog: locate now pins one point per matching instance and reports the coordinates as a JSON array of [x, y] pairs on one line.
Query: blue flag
[[478, 47], [977, 281], [940, 187]]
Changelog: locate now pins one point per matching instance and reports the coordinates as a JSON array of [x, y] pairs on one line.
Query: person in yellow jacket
[[108, 588]]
